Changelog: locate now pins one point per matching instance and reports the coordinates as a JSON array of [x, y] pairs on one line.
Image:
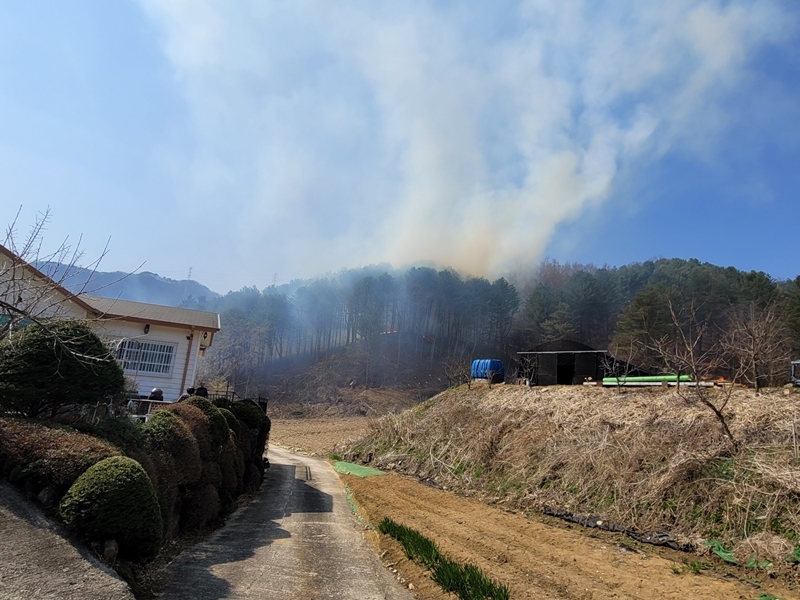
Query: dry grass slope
[[643, 459]]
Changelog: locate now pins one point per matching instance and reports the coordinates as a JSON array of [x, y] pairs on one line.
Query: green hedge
[[197, 459], [115, 499], [233, 423], [218, 426], [249, 413], [198, 423], [165, 432], [200, 507], [125, 433]]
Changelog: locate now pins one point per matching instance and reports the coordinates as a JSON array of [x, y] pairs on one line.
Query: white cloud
[[332, 135]]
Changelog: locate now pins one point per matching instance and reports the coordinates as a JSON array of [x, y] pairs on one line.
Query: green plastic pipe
[[645, 379]]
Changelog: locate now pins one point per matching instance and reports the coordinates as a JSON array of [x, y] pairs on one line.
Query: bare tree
[[26, 293], [756, 342], [619, 364], [31, 295], [689, 350], [457, 371]]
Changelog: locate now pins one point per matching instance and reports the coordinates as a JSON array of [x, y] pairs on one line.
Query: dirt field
[[535, 557], [316, 437]]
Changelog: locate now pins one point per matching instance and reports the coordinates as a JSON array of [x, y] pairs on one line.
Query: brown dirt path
[[534, 559]]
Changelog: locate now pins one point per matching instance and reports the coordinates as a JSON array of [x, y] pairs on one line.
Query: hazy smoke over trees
[[430, 317], [434, 314]]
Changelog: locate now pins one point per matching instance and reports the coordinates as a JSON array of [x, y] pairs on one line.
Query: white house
[[157, 346]]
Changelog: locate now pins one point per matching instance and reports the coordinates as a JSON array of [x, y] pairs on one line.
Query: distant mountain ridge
[[138, 287]]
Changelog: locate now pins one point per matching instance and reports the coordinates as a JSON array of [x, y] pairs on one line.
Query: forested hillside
[[142, 286], [412, 320], [425, 319]]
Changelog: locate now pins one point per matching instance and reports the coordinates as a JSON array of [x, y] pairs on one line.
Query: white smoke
[[337, 134]]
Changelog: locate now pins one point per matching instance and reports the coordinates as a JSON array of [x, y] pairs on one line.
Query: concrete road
[[38, 560], [298, 540]]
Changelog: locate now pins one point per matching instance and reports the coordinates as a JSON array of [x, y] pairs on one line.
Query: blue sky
[[261, 141]]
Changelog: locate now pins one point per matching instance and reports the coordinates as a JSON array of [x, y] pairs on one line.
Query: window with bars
[[146, 357]]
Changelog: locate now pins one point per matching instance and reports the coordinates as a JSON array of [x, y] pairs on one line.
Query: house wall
[[21, 288], [114, 330]]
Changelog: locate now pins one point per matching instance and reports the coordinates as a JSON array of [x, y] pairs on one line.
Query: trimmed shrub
[[243, 441], [43, 456], [212, 474], [144, 459], [125, 433], [200, 507], [218, 426], [198, 423], [222, 403], [252, 478], [168, 434], [232, 421], [232, 468], [249, 413], [167, 491], [45, 368], [115, 499]]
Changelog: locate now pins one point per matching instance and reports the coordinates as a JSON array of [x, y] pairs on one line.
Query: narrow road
[[297, 540]]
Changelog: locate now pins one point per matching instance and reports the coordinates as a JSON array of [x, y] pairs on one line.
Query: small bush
[[125, 433], [198, 423], [47, 456], [249, 413], [166, 433], [212, 474], [218, 426], [221, 403], [232, 468], [233, 423], [243, 440], [115, 499], [167, 490], [200, 507], [252, 478], [39, 374]]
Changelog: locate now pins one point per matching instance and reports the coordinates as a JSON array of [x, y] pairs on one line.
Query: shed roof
[[128, 310]]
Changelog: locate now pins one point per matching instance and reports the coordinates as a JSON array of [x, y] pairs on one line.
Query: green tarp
[[354, 469]]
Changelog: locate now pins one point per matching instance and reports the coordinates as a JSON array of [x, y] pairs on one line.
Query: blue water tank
[[482, 367]]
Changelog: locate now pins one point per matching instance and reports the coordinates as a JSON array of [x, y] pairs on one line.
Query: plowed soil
[[316, 437], [536, 557]]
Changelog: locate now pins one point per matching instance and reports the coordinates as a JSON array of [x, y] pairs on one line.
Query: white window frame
[[150, 357]]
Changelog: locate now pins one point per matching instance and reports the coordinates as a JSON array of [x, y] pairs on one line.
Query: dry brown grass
[[644, 459]]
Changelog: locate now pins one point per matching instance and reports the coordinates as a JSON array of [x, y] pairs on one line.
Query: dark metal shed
[[566, 362], [562, 362]]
